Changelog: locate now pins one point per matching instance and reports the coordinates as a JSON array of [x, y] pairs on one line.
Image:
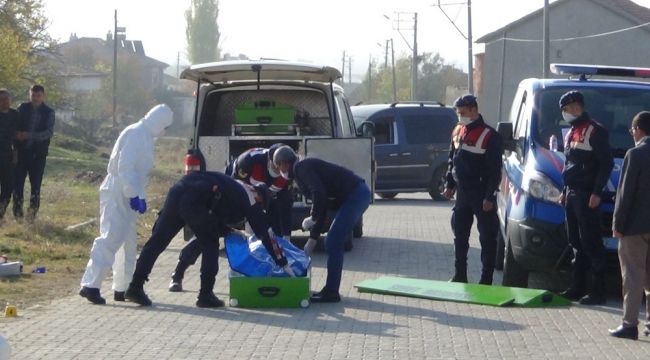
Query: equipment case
[[264, 117], [269, 292]]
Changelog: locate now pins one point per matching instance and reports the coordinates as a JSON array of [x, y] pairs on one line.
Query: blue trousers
[[346, 217]]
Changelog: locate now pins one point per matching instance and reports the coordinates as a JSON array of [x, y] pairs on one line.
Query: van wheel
[[357, 232], [388, 195], [513, 273], [437, 186], [501, 250]]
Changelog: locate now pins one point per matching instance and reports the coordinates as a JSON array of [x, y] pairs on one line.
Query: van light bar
[[580, 69]]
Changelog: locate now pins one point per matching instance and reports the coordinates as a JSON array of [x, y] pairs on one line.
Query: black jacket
[[8, 127], [475, 162], [41, 130], [589, 159], [326, 185]]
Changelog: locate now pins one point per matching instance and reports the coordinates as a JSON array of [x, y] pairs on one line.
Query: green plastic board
[[469, 293]]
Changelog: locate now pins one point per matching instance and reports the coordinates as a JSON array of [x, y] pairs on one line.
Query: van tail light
[[192, 163]]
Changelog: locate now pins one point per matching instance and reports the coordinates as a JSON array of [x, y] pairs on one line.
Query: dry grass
[[70, 197]]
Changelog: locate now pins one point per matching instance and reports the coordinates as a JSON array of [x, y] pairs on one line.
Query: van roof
[[249, 70]]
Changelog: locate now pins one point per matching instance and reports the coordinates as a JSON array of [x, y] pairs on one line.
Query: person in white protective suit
[[121, 198]]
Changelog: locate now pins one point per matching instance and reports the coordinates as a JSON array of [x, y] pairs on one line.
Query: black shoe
[[176, 286], [118, 296], [646, 331], [325, 297], [593, 299], [137, 295], [623, 332], [459, 278], [92, 294], [573, 294], [208, 301], [18, 213]]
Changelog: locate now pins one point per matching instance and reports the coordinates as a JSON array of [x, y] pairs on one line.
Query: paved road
[[408, 237]]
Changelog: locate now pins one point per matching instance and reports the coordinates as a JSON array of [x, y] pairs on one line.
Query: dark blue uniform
[[191, 202], [587, 167], [32, 154], [335, 187], [475, 173]]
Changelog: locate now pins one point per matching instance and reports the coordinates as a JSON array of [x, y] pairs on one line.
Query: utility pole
[[414, 67], [470, 55], [370, 79], [178, 64], [349, 69], [119, 33], [386, 55], [546, 43], [343, 68], [392, 50]]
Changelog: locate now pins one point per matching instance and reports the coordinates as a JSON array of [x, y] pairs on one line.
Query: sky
[[302, 30]]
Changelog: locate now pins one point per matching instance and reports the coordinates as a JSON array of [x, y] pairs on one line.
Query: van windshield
[[613, 108]]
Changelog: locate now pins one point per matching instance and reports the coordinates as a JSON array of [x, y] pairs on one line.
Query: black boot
[[18, 208], [625, 332], [208, 300], [93, 295], [460, 276], [486, 277], [136, 293], [118, 296], [597, 296], [3, 208], [176, 285], [578, 287], [325, 296]]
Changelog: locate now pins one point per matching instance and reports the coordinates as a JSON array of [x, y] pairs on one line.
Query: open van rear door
[[356, 154]]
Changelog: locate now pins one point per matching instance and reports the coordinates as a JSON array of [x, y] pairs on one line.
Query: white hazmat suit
[[127, 176]]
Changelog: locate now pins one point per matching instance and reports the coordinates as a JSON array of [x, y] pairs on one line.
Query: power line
[[572, 38]]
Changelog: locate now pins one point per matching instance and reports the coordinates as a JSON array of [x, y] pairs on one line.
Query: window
[[428, 128], [385, 131]]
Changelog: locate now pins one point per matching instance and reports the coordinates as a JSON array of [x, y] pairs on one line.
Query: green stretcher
[[468, 293]]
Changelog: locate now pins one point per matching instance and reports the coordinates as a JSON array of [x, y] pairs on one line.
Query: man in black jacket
[[474, 173], [36, 128], [206, 202], [587, 167], [632, 228], [8, 126]]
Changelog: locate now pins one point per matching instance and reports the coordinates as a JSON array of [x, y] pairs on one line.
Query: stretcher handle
[[268, 291]]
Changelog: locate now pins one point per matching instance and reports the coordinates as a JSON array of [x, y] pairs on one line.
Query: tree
[[24, 47], [202, 31]]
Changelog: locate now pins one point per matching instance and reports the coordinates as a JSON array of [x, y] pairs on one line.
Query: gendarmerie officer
[[474, 175], [587, 167], [206, 202]]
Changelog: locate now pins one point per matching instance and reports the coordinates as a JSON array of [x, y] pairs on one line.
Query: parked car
[[411, 145], [245, 104], [533, 234]]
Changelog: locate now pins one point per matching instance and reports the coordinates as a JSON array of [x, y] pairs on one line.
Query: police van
[[256, 103], [532, 229]]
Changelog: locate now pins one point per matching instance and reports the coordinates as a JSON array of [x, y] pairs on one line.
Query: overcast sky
[[306, 30]]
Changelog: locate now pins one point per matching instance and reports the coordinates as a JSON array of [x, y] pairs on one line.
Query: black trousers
[[6, 178], [170, 221], [30, 163], [584, 232], [469, 203]]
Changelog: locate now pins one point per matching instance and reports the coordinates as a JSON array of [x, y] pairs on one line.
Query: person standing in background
[[8, 126]]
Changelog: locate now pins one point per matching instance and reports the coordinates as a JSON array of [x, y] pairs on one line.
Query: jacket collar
[[476, 123]]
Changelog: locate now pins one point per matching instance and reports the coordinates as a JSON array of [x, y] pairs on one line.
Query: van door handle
[[406, 154], [392, 155]]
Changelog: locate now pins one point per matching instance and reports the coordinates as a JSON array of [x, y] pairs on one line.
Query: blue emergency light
[[581, 69]]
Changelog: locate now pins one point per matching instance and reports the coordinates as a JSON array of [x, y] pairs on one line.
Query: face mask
[[464, 120], [568, 117]]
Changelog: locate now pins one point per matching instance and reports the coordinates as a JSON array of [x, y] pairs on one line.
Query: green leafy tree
[[25, 46], [202, 31]]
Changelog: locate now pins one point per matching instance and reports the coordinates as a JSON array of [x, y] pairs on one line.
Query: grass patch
[[70, 196]]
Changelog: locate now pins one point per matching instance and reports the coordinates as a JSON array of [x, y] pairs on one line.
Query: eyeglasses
[[632, 130]]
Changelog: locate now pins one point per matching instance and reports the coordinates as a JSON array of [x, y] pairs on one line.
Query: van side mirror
[[505, 130], [367, 129]]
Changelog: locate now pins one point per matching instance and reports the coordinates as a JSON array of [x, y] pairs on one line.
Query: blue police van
[[532, 230]]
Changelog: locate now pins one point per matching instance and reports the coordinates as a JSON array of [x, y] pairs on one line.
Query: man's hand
[[562, 200], [22, 135], [594, 201], [309, 246], [488, 205], [617, 234], [308, 223], [449, 193]]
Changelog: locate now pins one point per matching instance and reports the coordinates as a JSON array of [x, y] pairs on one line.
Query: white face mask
[[568, 117], [464, 120]]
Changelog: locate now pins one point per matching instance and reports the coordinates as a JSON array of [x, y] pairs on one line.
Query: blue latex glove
[[134, 202], [143, 206]]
